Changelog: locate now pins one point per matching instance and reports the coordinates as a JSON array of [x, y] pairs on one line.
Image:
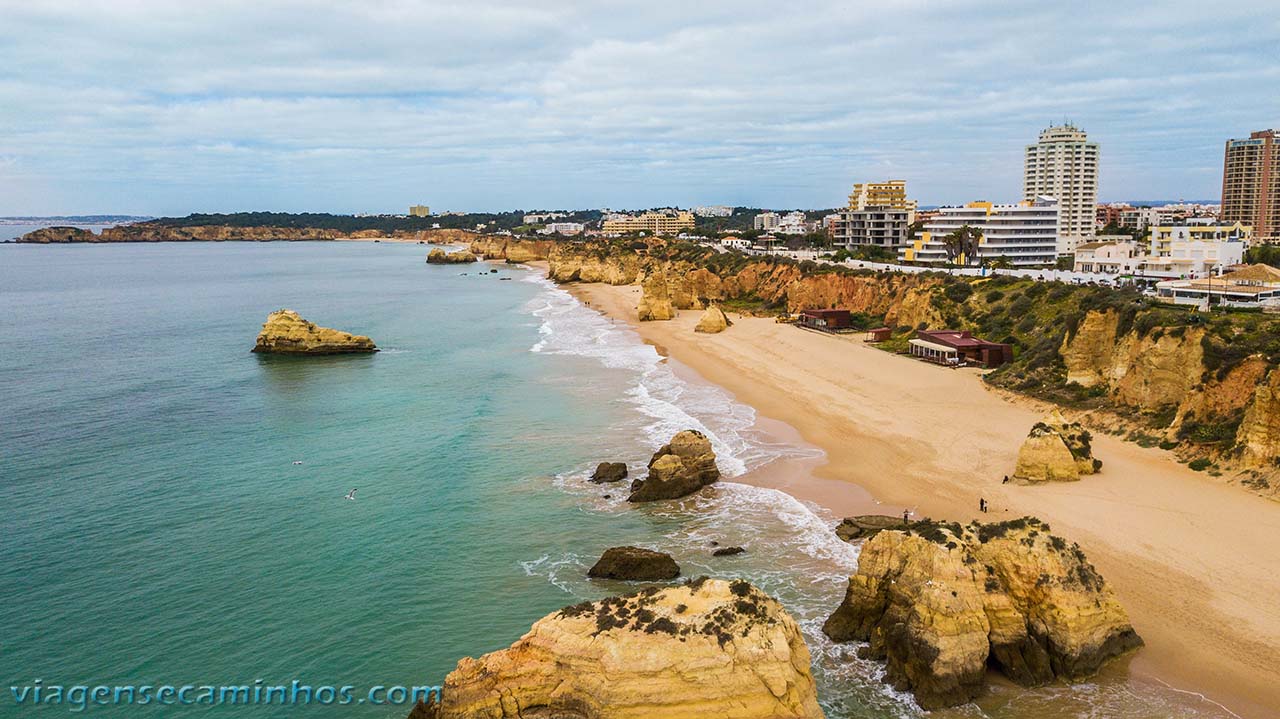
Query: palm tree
[[963, 241]]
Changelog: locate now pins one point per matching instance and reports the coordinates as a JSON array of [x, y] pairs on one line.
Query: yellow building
[[885, 195], [1162, 238], [419, 211], [657, 223]]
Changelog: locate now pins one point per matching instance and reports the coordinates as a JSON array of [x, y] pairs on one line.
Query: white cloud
[[364, 106]]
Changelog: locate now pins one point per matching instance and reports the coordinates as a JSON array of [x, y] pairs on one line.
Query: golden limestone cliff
[[940, 603], [1145, 372], [59, 235], [709, 648], [495, 247], [1259, 434], [713, 321], [285, 332], [655, 299], [1056, 450]]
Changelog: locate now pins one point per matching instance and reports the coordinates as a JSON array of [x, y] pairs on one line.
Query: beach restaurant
[[827, 320], [955, 348]]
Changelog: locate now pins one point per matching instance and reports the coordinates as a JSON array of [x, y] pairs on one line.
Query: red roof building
[[953, 347]]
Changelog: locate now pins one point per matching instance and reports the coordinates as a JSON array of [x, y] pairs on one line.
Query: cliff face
[[438, 256], [496, 247], [1259, 434], [151, 232], [1145, 372], [707, 649], [285, 332], [939, 602]]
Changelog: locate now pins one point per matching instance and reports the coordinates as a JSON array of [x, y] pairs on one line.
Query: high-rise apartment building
[[1025, 234], [891, 195], [419, 211], [1251, 184], [1064, 165]]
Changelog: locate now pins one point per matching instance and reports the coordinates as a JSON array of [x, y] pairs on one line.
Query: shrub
[[995, 296], [1199, 465], [958, 292]]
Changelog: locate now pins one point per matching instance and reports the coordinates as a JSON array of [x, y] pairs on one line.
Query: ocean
[[158, 529]]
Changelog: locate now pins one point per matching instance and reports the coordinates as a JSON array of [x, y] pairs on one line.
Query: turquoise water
[[157, 531]]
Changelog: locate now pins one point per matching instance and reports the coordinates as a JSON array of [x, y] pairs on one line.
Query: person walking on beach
[[982, 504]]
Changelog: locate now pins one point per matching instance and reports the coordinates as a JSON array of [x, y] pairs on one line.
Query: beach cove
[[935, 441]]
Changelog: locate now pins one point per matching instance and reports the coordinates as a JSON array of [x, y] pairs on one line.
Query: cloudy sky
[[166, 107]]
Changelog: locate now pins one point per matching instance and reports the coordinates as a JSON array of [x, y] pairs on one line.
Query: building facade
[[658, 223], [563, 228], [1112, 257], [1162, 237], [1064, 165], [878, 227], [1026, 234], [768, 221], [1251, 184], [419, 211], [891, 194]]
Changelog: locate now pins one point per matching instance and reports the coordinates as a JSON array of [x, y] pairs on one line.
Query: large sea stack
[[709, 648], [1056, 451], [683, 466], [438, 256], [285, 332], [940, 602]]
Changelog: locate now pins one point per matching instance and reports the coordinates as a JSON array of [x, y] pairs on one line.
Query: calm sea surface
[[157, 531]]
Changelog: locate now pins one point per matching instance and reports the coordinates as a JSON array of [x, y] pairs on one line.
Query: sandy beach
[[1195, 562]]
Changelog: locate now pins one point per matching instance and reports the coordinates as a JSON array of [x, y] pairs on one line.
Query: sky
[[166, 108]]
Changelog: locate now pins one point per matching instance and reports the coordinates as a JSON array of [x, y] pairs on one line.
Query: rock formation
[[728, 551], [709, 648], [634, 564], [510, 249], [655, 299], [866, 526], [1259, 434], [713, 320], [285, 332], [680, 468], [438, 256], [940, 601], [46, 235], [609, 472], [1056, 450]]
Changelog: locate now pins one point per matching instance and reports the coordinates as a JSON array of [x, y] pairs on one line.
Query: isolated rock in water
[[609, 472], [709, 648], [438, 256], [655, 299], [727, 551], [285, 332], [940, 601], [634, 564], [713, 320], [1056, 450], [866, 526], [680, 468]]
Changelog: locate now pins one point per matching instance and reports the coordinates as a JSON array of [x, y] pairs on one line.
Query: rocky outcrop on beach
[[940, 602], [866, 526], [609, 472], [57, 235], [709, 648], [655, 299], [285, 332], [681, 467], [713, 321], [1056, 451], [634, 564], [438, 256]]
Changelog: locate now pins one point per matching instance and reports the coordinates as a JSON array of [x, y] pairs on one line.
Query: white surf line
[[1197, 694]]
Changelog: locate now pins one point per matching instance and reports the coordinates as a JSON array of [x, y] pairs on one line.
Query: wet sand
[[1195, 562]]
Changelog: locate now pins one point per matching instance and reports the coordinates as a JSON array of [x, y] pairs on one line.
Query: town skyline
[[371, 109]]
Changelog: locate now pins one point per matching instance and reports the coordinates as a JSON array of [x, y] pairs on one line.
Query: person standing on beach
[[905, 514]]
